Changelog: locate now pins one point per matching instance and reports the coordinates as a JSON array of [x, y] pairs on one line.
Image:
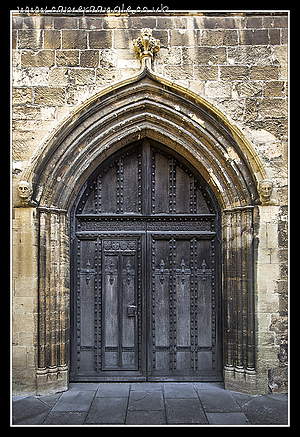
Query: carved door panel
[[108, 310], [120, 304], [184, 341], [145, 262]]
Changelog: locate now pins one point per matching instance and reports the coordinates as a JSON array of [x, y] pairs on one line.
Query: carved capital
[[145, 45]]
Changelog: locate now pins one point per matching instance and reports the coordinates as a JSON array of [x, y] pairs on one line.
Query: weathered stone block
[[274, 88], [23, 112], [37, 22], [17, 22], [219, 38], [162, 35], [234, 107], [274, 36], [234, 72], [21, 96], [284, 36], [20, 150], [182, 37], [74, 39], [14, 39], [67, 58], [52, 39], [254, 22], [109, 58], [218, 22], [90, 23], [276, 21], [254, 37], [42, 58], [141, 22], [104, 76], [30, 39], [174, 73], [172, 56], [65, 23], [272, 108], [283, 234], [89, 58], [218, 89], [49, 95], [264, 73], [123, 39], [248, 89], [102, 39], [278, 379], [30, 76], [268, 303], [278, 323], [116, 23], [206, 72], [58, 76], [165, 23], [128, 63], [280, 55], [197, 85], [272, 236], [204, 55], [248, 55], [82, 76]]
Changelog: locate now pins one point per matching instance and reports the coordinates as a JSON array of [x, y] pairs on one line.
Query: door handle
[[131, 310]]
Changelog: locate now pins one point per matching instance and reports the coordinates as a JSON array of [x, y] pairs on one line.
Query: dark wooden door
[[145, 272]]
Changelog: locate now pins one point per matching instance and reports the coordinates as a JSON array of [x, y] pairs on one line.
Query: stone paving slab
[[266, 410], [113, 390], [107, 411], [146, 400], [187, 411], [74, 401], [29, 411], [179, 390], [227, 419], [65, 418], [218, 401], [146, 418], [198, 404]]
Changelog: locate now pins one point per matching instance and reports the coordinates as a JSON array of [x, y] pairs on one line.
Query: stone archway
[[145, 106]]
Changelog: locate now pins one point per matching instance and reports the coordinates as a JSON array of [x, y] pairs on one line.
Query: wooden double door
[[145, 301]]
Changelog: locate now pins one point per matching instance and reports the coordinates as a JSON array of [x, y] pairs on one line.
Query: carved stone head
[[24, 191], [265, 189]]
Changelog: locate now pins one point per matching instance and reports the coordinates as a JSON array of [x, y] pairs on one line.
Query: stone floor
[[149, 404]]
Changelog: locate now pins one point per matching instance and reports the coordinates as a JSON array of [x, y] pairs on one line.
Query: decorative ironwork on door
[[146, 301]]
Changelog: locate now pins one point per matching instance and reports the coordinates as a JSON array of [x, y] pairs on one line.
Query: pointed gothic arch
[[145, 106]]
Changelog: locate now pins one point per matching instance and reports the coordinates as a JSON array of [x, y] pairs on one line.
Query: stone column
[[238, 297], [53, 323]]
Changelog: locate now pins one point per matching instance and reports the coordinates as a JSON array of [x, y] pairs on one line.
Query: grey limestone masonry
[[236, 61]]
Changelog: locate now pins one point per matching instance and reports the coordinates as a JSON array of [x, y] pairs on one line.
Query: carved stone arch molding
[[146, 106]]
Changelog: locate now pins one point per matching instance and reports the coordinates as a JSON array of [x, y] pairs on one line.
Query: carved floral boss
[[145, 45]]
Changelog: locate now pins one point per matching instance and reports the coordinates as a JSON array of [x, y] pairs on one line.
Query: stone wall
[[239, 62]]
